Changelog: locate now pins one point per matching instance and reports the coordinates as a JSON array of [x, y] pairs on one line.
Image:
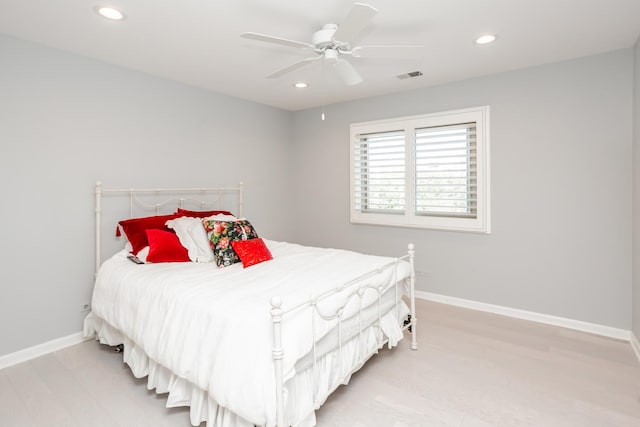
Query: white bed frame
[[214, 198]]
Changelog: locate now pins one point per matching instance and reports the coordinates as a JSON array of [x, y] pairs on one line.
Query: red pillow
[[135, 229], [252, 251], [200, 214], [165, 247]]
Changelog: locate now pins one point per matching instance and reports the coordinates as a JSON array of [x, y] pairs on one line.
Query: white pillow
[[220, 217], [193, 237]]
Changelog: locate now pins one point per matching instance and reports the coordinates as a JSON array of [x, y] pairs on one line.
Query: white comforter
[[212, 326]]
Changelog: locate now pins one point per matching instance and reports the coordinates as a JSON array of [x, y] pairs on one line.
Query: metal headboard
[[204, 197]]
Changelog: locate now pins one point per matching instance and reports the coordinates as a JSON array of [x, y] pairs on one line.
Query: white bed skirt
[[299, 389], [162, 380]]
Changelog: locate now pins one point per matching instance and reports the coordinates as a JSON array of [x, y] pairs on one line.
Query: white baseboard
[[593, 328], [635, 345], [40, 350]]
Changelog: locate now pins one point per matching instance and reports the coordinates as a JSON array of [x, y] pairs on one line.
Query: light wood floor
[[473, 369]]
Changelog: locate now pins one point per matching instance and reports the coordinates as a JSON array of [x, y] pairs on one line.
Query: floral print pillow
[[222, 233]]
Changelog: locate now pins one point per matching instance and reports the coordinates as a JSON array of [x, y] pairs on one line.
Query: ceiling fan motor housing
[[323, 38]]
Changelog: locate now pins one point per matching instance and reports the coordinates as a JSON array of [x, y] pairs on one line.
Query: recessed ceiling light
[[486, 39], [301, 85], [109, 13]]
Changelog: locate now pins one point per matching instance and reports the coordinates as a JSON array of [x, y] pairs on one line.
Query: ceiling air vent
[[409, 75]]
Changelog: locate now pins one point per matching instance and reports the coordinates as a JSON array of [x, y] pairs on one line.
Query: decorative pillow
[[252, 251], [192, 236], [164, 246], [222, 233], [135, 229], [201, 214]]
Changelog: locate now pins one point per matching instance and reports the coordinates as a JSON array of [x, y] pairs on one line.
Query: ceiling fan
[[333, 44]]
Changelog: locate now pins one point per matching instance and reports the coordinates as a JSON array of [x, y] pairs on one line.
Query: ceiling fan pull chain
[[323, 87]]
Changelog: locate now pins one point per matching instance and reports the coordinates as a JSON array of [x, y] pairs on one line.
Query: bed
[[263, 345]]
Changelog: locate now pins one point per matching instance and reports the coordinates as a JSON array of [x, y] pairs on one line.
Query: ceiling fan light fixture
[[301, 85], [486, 39], [331, 55], [109, 12]]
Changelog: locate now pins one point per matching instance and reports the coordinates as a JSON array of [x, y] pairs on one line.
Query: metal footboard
[[356, 288]]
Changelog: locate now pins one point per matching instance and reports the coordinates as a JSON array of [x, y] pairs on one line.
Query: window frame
[[409, 125]]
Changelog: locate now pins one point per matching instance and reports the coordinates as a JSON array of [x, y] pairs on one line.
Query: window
[[429, 171]]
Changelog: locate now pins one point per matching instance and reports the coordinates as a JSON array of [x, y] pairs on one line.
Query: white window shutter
[[446, 172], [379, 172]]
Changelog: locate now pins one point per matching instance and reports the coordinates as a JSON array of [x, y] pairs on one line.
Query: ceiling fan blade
[[347, 73], [292, 67], [414, 51], [276, 40], [358, 18]]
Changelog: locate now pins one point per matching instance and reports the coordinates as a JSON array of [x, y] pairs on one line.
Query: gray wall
[[66, 121], [636, 192], [561, 159], [561, 183]]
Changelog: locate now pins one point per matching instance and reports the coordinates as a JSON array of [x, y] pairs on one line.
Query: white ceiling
[[197, 41]]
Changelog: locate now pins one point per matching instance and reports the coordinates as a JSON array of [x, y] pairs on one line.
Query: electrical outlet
[[86, 307]]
